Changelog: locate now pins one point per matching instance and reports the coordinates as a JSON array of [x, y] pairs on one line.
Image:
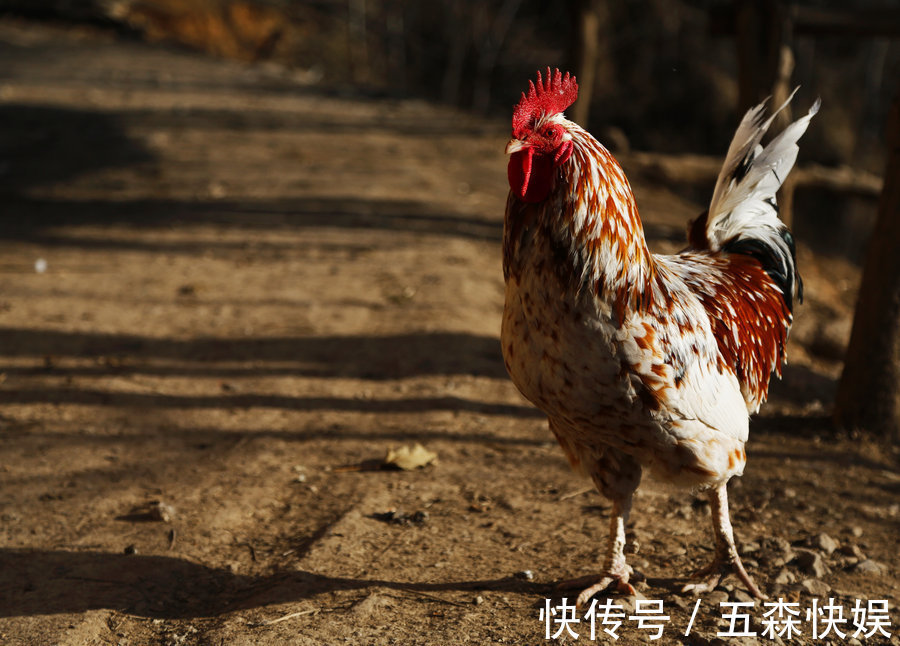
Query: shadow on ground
[[392, 356], [36, 582], [43, 145]]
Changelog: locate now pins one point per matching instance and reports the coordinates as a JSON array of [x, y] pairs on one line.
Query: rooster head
[[540, 141]]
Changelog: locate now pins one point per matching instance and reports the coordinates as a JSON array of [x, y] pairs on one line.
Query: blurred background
[[671, 77]]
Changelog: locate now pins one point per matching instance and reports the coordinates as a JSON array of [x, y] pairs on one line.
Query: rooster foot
[[616, 582], [707, 578]]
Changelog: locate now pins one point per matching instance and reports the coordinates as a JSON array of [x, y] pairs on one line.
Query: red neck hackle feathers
[[607, 234], [549, 96]]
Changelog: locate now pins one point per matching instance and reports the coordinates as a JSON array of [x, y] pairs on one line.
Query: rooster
[[644, 361]]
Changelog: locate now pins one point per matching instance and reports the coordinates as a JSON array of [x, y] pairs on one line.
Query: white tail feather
[[743, 215], [744, 197]]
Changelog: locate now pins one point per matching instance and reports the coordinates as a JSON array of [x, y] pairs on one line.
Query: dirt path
[[254, 290]]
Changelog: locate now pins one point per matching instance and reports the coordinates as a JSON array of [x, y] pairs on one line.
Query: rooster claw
[[615, 583], [708, 578], [708, 584], [607, 583]]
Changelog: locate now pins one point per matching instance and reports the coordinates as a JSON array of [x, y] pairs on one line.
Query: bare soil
[[253, 290]]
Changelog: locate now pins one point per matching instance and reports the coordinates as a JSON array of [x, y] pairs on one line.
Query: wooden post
[[590, 57], [765, 63], [586, 14], [781, 90], [868, 395], [489, 52], [758, 31]]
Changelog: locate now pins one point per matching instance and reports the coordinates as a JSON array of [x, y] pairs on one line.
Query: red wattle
[[530, 175], [519, 171]]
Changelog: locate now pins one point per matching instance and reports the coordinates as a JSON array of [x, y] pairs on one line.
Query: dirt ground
[[252, 290]]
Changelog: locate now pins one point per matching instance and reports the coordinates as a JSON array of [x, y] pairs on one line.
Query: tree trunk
[[869, 392]]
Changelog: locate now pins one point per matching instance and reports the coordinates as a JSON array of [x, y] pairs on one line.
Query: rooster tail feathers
[[751, 172], [743, 214]]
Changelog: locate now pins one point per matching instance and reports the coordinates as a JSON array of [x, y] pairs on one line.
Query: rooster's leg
[[616, 572], [727, 561]]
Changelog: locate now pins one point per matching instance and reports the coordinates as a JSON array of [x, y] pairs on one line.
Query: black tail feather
[[779, 269]]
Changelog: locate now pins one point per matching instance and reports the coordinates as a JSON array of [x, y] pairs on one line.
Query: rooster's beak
[[514, 146]]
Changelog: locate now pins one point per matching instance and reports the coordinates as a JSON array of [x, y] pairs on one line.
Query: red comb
[[550, 96]]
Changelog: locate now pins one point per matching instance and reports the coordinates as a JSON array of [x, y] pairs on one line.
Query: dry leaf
[[409, 457]]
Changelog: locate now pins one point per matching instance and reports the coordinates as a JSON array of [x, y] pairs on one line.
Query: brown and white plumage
[[644, 361]]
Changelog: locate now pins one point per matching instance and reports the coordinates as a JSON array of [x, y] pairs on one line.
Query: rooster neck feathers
[[600, 220]]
